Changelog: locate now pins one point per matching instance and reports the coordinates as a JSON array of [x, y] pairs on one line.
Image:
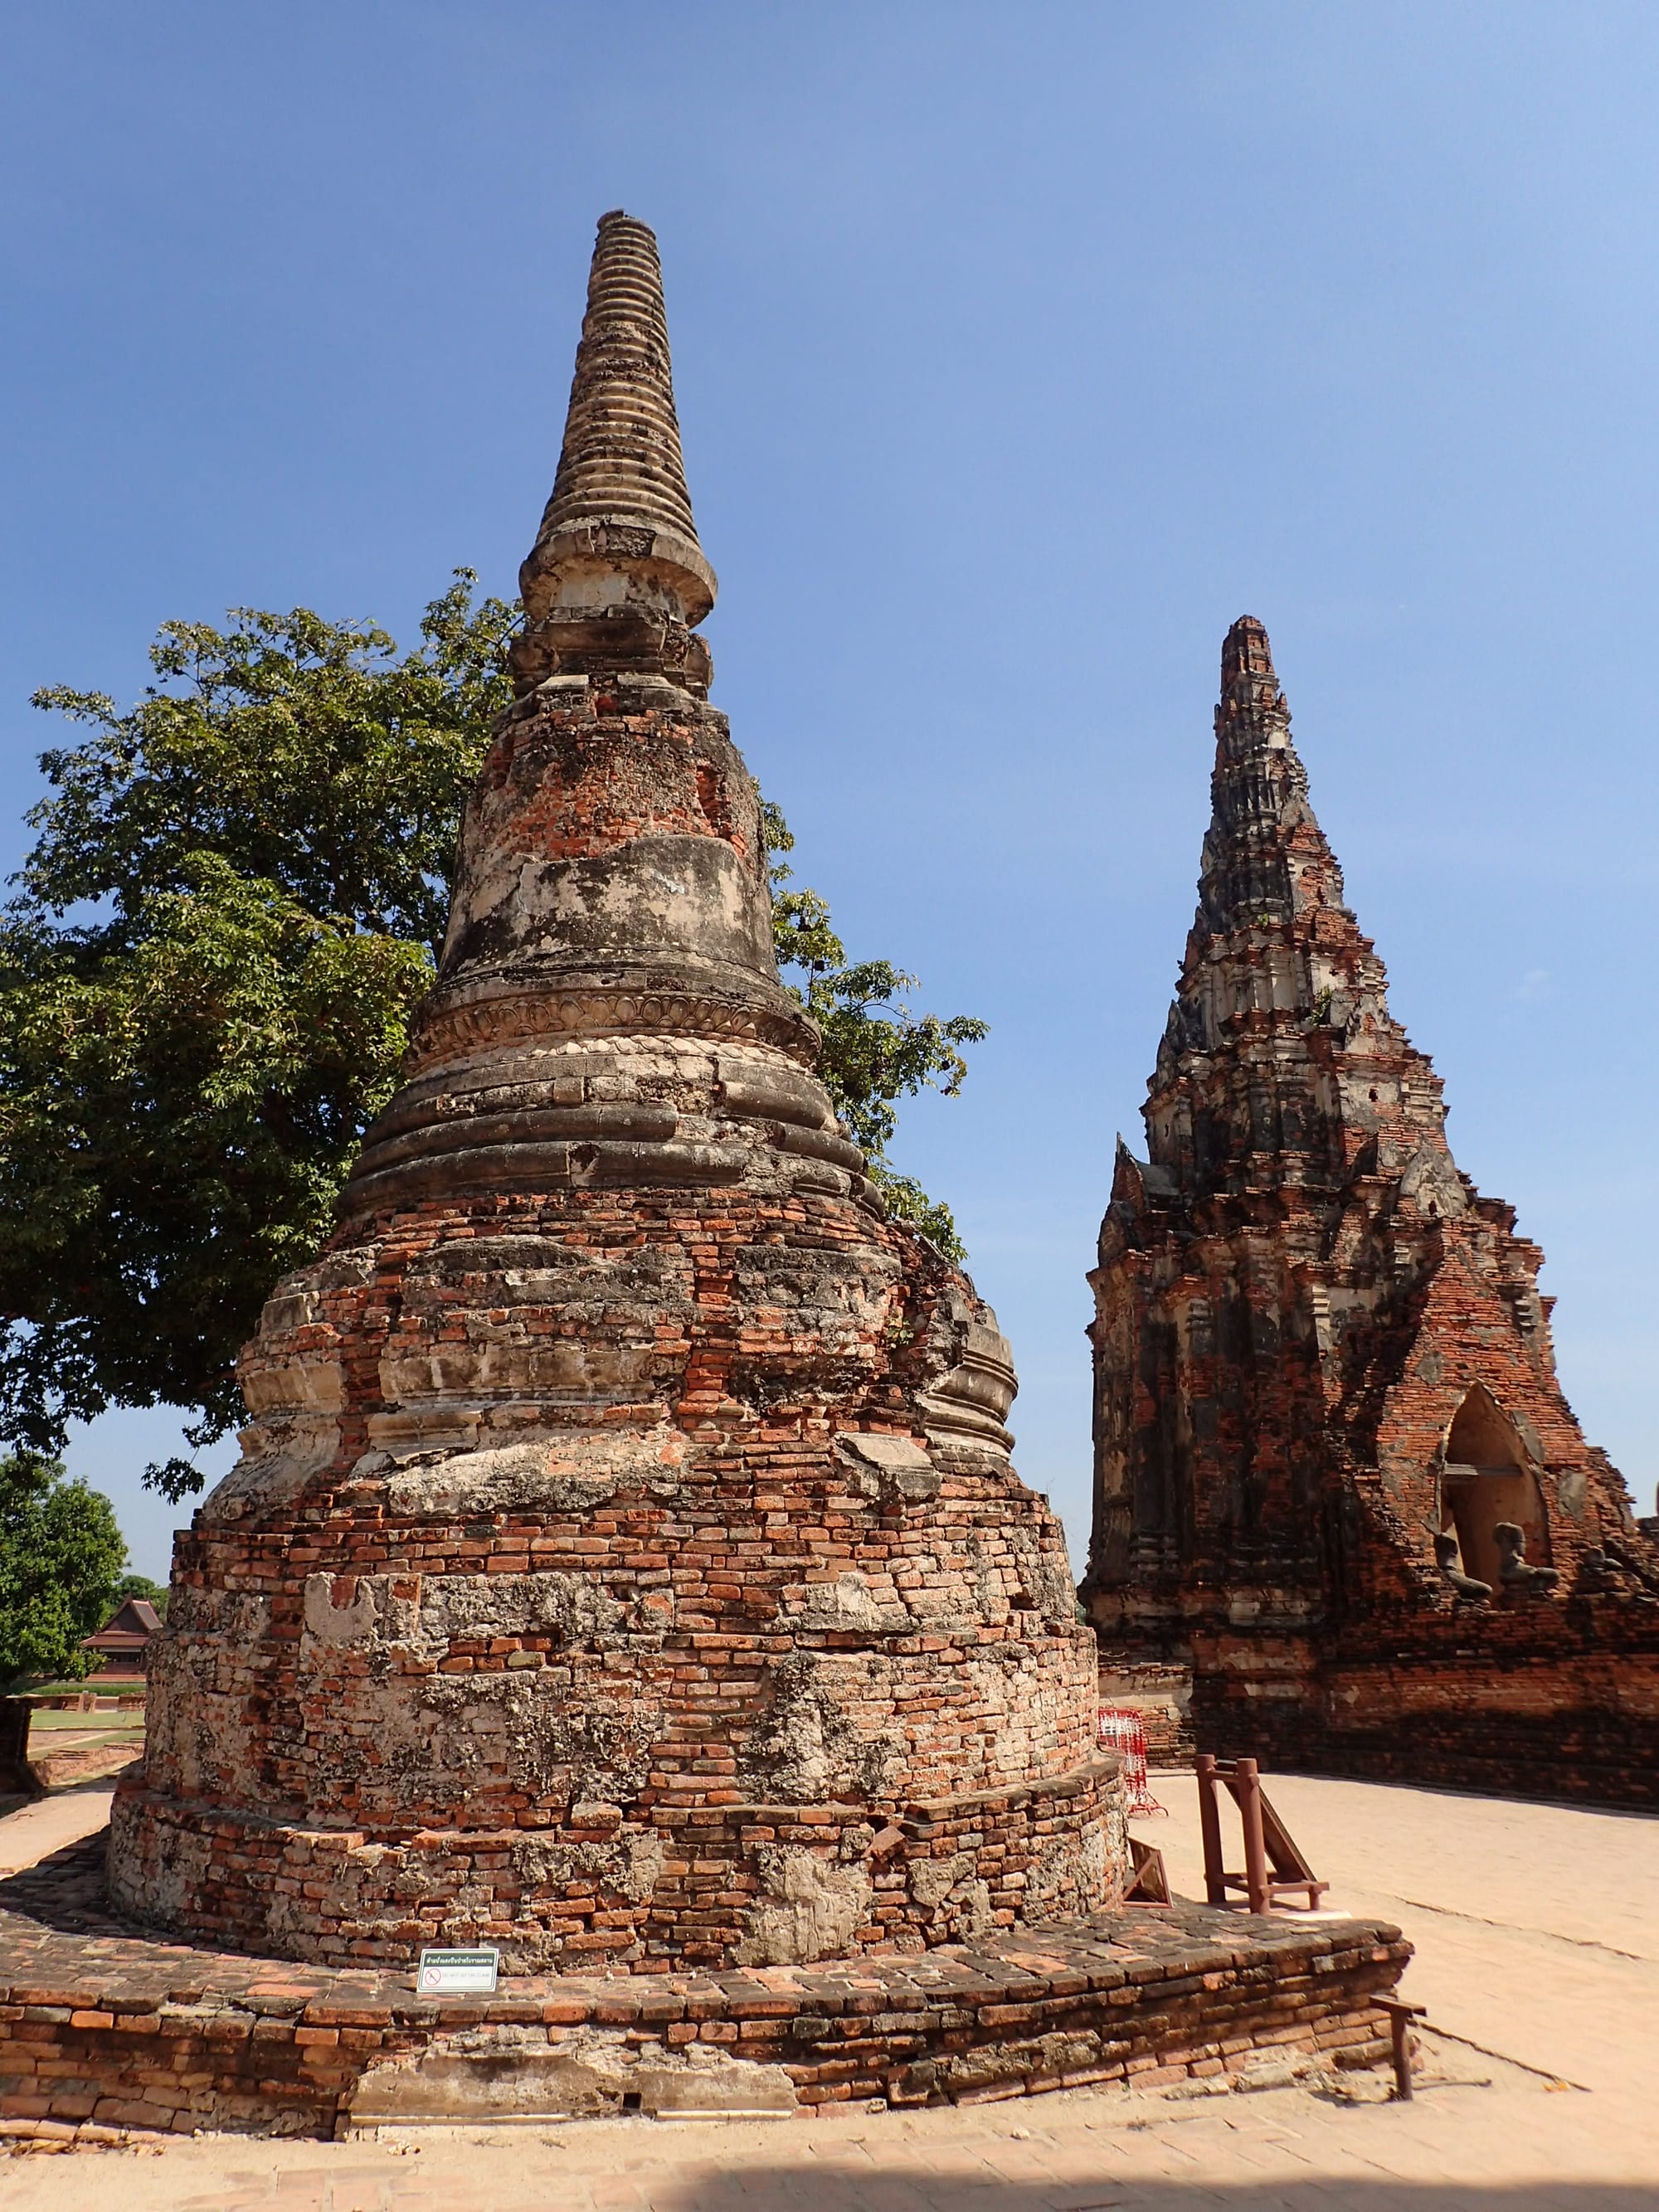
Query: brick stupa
[[625, 1565], [1327, 1416]]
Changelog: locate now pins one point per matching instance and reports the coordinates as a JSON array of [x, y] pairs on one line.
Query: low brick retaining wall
[[1162, 1693], [101, 2027], [1520, 1702]]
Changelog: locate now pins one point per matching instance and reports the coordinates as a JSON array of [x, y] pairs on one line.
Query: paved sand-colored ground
[[1536, 1926], [1538, 1936], [61, 1818], [1510, 2147]]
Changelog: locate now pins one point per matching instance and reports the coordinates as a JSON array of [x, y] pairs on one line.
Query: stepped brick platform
[[104, 2027]]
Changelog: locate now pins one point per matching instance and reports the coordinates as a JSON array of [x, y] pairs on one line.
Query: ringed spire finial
[[617, 576]]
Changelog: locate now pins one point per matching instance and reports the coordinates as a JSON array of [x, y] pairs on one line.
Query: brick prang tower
[[1326, 1406], [625, 1565]]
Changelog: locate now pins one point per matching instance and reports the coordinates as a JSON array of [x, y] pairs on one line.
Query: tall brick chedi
[[625, 1565], [1326, 1414]]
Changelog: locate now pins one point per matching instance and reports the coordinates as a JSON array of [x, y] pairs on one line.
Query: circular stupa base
[[104, 2029], [700, 1887]]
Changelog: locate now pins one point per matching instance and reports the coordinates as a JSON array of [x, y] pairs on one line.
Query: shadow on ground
[[64, 1891], [797, 2189]]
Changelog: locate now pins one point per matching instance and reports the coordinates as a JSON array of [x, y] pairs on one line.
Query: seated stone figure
[[1448, 1559], [1611, 1569], [1597, 1571], [1516, 1571]]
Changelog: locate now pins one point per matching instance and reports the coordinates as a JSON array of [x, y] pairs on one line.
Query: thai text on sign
[[452, 1973]]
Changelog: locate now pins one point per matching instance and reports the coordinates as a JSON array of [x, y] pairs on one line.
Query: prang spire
[[1247, 657], [616, 577], [1258, 790], [1266, 1068], [1323, 1376]]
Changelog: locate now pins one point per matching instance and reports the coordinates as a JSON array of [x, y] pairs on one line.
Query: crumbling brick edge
[[102, 2029]]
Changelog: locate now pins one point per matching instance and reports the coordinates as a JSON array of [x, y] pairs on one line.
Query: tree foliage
[[876, 1050], [61, 1555], [228, 915], [234, 904]]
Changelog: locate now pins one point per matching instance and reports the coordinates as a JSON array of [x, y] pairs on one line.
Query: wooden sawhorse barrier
[[1273, 1864]]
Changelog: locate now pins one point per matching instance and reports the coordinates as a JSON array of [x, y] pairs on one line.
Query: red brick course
[[99, 2027], [1318, 1350]]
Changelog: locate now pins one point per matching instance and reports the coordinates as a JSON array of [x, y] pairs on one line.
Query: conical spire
[[621, 459], [1253, 1075], [611, 880], [617, 576], [612, 1288], [1258, 790]]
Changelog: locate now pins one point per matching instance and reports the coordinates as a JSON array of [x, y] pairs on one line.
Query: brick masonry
[[1320, 1353], [625, 1565], [1162, 1693], [101, 2029]]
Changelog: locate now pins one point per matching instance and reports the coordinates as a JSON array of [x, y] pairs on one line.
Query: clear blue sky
[[1018, 350]]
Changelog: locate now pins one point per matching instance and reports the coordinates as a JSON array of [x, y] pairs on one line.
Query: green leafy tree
[[231, 909], [876, 1050], [235, 902], [61, 1556]]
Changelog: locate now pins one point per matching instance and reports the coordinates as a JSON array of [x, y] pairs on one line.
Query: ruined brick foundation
[[102, 2031], [625, 1566], [1558, 1708], [1160, 1692], [1337, 1482]]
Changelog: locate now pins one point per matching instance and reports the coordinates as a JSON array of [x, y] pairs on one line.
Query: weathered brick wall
[[567, 1509], [17, 1776], [1536, 1704], [1162, 1696], [752, 1882], [144, 2036], [1319, 1351]]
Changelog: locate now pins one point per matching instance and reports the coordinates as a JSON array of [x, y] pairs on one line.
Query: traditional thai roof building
[[125, 1638], [1343, 1511]]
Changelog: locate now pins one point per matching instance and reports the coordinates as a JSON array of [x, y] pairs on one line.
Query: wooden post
[[1209, 1821], [1256, 1846], [1401, 2014]]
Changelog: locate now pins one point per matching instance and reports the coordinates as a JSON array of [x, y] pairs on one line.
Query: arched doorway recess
[[1487, 1478]]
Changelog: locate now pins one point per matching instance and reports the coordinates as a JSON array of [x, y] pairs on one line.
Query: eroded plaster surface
[[626, 1565]]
